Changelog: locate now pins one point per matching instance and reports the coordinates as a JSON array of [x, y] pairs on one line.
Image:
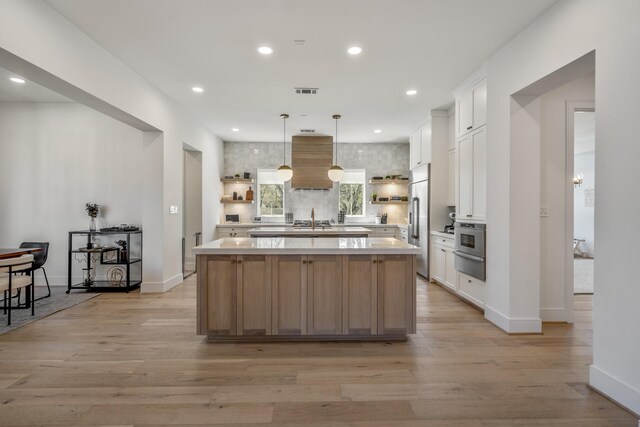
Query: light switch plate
[[173, 210], [544, 211]]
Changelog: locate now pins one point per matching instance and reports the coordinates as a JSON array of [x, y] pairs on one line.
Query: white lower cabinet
[[443, 271], [442, 267], [222, 232], [384, 231], [471, 289]]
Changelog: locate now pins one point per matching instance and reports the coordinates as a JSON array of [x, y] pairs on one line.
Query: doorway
[[583, 198], [192, 207]]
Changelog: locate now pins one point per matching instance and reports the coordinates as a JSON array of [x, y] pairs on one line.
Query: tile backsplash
[[377, 159]]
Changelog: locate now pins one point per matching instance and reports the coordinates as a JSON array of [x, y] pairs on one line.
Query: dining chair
[[39, 259], [9, 281]]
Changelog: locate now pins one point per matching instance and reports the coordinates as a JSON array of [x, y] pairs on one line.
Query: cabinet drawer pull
[[380, 262], [239, 261], [442, 250], [310, 262], [233, 261], [304, 262], [469, 127]]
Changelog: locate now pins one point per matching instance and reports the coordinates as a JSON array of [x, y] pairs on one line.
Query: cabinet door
[[451, 137], [360, 294], [221, 294], [324, 304], [480, 104], [438, 254], [425, 145], [464, 112], [289, 295], [471, 289], [452, 177], [396, 287], [450, 273], [479, 203], [465, 178], [415, 150], [254, 295]]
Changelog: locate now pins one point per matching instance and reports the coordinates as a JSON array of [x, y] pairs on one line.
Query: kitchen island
[[301, 289]]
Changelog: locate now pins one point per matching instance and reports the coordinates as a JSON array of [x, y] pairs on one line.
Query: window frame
[[270, 176], [359, 177]]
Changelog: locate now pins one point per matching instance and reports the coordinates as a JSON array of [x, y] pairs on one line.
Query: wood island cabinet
[[360, 294], [289, 283], [396, 294], [253, 294], [276, 297], [221, 294]]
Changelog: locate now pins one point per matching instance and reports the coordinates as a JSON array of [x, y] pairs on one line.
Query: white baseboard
[[156, 287], [513, 325], [554, 315], [615, 389]]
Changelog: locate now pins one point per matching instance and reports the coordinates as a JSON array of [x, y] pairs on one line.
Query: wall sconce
[[577, 180]]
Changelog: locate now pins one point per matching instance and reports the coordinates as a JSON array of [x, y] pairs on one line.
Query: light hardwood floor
[[135, 360]]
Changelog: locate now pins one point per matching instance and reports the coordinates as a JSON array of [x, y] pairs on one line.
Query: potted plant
[[93, 210], [375, 196]]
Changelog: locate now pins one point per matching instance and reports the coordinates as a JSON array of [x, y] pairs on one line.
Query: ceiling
[[426, 45], [26, 92]]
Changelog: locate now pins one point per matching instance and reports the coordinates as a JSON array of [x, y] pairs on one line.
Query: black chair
[[39, 258]]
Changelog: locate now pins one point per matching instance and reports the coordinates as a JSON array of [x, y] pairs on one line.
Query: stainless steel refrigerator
[[419, 215]]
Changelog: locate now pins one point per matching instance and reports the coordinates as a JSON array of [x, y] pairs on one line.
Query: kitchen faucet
[[313, 219]]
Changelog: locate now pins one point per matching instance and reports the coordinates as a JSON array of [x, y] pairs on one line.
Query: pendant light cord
[[284, 140], [336, 140]]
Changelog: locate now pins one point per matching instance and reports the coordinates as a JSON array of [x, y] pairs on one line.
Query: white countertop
[[290, 231], [441, 234], [306, 246]]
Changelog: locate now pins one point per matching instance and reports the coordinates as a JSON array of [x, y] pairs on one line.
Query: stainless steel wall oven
[[470, 249]]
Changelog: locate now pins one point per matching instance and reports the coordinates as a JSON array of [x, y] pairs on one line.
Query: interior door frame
[[571, 108]]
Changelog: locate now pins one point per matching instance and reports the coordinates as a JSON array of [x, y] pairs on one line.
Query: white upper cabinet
[[472, 174], [471, 108], [415, 150], [452, 177], [420, 150]]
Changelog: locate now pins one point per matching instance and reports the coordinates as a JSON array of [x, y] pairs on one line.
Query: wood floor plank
[[134, 360]]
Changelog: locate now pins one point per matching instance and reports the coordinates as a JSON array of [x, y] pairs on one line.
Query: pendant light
[[284, 172], [336, 172]]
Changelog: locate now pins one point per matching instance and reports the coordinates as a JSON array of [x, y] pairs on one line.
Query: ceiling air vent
[[306, 90], [307, 130]]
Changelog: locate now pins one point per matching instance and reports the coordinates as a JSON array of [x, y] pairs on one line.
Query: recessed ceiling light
[[354, 50], [17, 80], [377, 131], [412, 92], [265, 50], [235, 130], [197, 89]]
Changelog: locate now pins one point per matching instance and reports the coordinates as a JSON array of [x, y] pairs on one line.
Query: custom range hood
[[311, 158]]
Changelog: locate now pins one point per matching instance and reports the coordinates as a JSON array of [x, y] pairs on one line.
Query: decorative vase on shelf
[[92, 224]]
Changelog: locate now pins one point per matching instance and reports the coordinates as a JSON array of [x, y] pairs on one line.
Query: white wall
[[192, 214], [566, 32], [377, 159], [83, 69], [54, 158], [554, 303], [583, 211]]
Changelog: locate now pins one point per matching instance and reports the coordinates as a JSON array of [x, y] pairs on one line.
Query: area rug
[[583, 275], [58, 301]]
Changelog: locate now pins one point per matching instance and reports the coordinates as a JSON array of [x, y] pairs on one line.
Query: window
[[270, 193], [352, 192]]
